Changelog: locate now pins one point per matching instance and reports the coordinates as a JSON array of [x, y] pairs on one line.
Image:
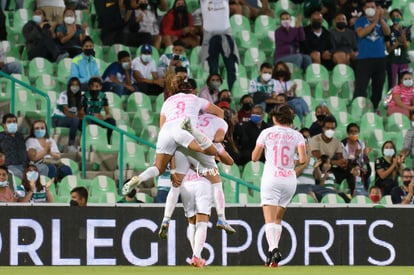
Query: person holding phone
[[398, 44], [175, 59]]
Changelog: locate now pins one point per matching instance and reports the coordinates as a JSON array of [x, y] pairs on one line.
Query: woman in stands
[[31, 189], [402, 100], [278, 185]]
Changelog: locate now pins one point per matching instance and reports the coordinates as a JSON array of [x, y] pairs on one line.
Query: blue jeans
[[115, 88], [63, 171], [300, 60], [72, 123], [300, 106], [12, 68], [214, 50]]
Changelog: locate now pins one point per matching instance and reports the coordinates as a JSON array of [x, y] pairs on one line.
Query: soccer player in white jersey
[[175, 110], [278, 184], [196, 195], [215, 129]]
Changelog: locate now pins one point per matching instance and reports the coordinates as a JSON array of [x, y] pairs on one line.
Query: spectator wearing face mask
[[79, 196], [245, 111], [375, 194], [6, 191], [251, 131], [175, 59], [31, 189], [344, 44], [263, 88], [404, 194], [321, 111], [84, 65], [212, 88], [402, 100], [118, 76]]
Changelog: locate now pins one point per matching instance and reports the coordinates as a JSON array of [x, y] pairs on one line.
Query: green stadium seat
[[342, 73], [72, 164], [120, 116], [361, 200], [39, 66], [360, 106], [113, 52], [252, 172], [332, 199], [397, 122], [102, 184], [96, 140], [138, 100], [303, 198], [63, 71], [302, 88], [46, 82], [10, 50], [240, 88], [150, 133], [20, 18], [159, 101], [239, 23], [246, 40], [114, 100], [142, 118], [315, 73], [144, 197], [386, 200], [263, 24], [253, 58], [134, 156], [295, 71], [67, 184], [105, 197]]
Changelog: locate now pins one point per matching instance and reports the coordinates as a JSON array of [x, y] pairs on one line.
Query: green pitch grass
[[238, 270]]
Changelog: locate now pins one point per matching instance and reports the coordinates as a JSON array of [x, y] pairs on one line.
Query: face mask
[[37, 19], [248, 107], [389, 152], [329, 133], [4, 183], [69, 20], [181, 9], [11, 127], [280, 73], [40, 133], [255, 118], [341, 25], [316, 25], [143, 6], [74, 89], [146, 58], [396, 20], [320, 117], [89, 52], [74, 203], [406, 182], [266, 77], [215, 84], [374, 198], [125, 65], [32, 175], [353, 137], [94, 92], [285, 23], [408, 82], [227, 99], [369, 12]]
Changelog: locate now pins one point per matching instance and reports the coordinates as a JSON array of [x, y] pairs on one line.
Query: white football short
[[170, 137], [199, 162], [196, 196], [277, 191]]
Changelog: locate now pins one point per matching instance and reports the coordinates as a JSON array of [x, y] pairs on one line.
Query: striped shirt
[[38, 196]]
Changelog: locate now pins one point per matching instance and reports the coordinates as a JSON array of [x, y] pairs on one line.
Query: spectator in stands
[[224, 96], [388, 168], [79, 196], [69, 34], [255, 9], [130, 197], [145, 72], [175, 59], [375, 194], [233, 136], [13, 146], [317, 43], [84, 66], [177, 23], [3, 30], [11, 67], [163, 186], [360, 186], [53, 9], [211, 90], [352, 10], [286, 86], [402, 100], [118, 76], [66, 111], [408, 145], [344, 43], [354, 150], [371, 64], [288, 39], [31, 189], [2, 158], [263, 88], [6, 192], [93, 102], [404, 194], [251, 131], [398, 45], [110, 21], [327, 144], [142, 23], [321, 112], [245, 111], [41, 149], [39, 35], [323, 173], [218, 39]]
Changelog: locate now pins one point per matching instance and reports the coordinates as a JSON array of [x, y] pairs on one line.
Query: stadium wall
[[125, 235]]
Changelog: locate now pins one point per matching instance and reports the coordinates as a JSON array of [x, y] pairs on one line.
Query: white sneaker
[[131, 185], [72, 149], [186, 125]]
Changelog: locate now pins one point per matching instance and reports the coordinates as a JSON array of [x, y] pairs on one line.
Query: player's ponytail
[[283, 114]]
